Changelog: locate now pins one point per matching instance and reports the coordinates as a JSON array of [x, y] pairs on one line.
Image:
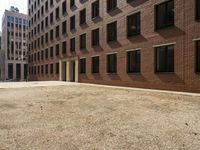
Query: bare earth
[[78, 116]]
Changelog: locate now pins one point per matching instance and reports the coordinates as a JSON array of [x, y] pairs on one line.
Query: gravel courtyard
[[78, 116]]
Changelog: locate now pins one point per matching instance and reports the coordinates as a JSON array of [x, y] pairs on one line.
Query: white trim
[[95, 56], [163, 1], [135, 49], [133, 12], [173, 43], [197, 39], [111, 53]]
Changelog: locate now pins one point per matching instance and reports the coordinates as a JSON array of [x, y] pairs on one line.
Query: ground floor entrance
[[69, 69]]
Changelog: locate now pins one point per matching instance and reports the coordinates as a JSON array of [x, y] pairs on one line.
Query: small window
[[57, 31], [198, 56], [111, 4], [64, 27], [83, 65], [46, 69], [112, 63], [165, 14], [133, 61], [72, 3], [64, 47], [95, 64], [165, 58], [72, 23], [72, 45], [133, 25], [198, 10], [57, 68], [51, 68], [95, 9], [82, 16], [64, 8], [57, 49], [83, 41], [51, 52], [57, 13], [51, 35], [46, 53], [112, 32], [51, 18], [95, 37]]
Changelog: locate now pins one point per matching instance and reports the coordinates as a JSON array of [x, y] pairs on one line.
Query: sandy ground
[[77, 116]]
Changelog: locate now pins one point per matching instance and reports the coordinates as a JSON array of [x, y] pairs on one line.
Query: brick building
[[14, 43], [136, 43]]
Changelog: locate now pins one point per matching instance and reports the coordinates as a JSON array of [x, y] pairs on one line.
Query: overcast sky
[[5, 4]]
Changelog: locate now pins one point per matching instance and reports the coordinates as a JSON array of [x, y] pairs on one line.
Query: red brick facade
[[182, 35]]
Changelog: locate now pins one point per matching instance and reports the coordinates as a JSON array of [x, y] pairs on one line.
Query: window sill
[[134, 73], [111, 10], [166, 27], [170, 73]]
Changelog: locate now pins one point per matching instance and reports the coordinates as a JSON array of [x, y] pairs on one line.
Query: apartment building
[[14, 42], [136, 43], [2, 59]]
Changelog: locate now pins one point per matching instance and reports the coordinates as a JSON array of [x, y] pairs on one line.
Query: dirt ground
[[73, 117]]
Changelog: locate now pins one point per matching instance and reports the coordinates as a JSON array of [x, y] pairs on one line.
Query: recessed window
[[133, 25], [57, 49], [82, 16], [198, 10], [83, 65], [95, 37], [72, 45], [64, 47], [46, 69], [46, 6], [95, 9], [198, 56], [64, 8], [133, 61], [72, 23], [95, 64], [64, 27], [51, 18], [72, 3], [57, 31], [165, 14], [57, 68], [51, 35], [83, 41], [112, 32], [51, 52], [111, 4], [57, 13], [165, 58], [51, 68], [51, 2], [112, 63]]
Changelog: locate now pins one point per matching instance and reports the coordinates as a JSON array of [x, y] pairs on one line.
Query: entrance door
[[64, 75]]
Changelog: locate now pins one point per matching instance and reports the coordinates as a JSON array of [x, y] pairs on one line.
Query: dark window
[[95, 9], [112, 63], [46, 53], [64, 47], [133, 61], [51, 18], [57, 49], [57, 13], [57, 68], [51, 68], [197, 9], [83, 41], [165, 59], [95, 37], [51, 35], [83, 65], [46, 38], [95, 64], [46, 5], [64, 8], [111, 4], [112, 32], [72, 3], [51, 2], [198, 56], [72, 45], [72, 23], [83, 16], [133, 25], [64, 27], [51, 52], [46, 21], [46, 69], [165, 14], [57, 31], [42, 55]]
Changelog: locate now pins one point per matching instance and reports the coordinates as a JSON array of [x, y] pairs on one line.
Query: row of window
[[44, 69], [164, 61]]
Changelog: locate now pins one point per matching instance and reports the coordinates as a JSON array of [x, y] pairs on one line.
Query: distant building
[[14, 42], [2, 59]]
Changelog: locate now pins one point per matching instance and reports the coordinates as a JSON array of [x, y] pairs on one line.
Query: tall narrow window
[[133, 61], [57, 13], [64, 47], [46, 69], [51, 68], [165, 59], [72, 45], [64, 8], [112, 32], [57, 49], [64, 27], [57, 68], [198, 56], [112, 63], [133, 25], [72, 23], [83, 41], [95, 64], [57, 31], [95, 9], [82, 16], [111, 4], [95, 37], [165, 14], [51, 18], [198, 10], [72, 3], [83, 65]]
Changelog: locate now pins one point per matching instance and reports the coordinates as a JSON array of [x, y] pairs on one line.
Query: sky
[[5, 4]]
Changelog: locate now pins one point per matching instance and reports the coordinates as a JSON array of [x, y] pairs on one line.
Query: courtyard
[[60, 116]]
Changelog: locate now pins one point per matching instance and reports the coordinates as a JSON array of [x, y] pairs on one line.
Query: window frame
[[111, 70], [130, 70]]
